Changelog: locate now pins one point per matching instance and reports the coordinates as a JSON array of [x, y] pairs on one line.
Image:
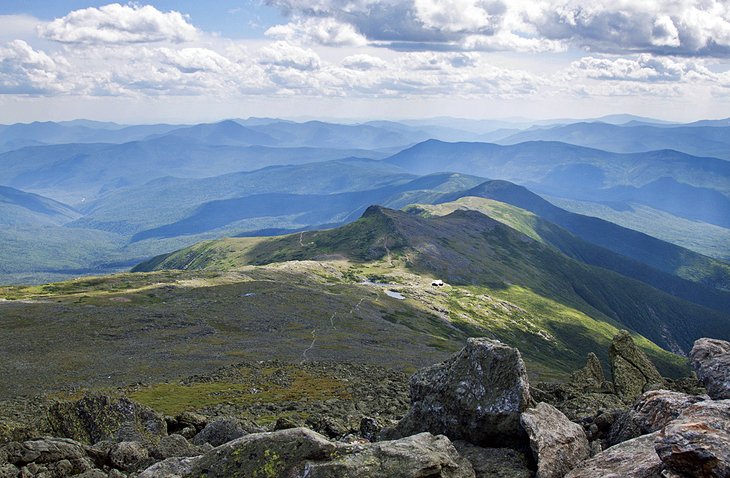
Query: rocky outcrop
[[590, 378], [697, 444], [477, 395], [303, 452], [634, 458], [100, 417], [633, 372], [650, 413], [411, 457], [55, 456], [557, 444], [711, 360]]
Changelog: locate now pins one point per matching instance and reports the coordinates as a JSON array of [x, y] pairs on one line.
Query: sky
[[193, 61]]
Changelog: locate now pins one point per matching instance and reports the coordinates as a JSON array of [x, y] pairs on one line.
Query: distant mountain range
[[99, 197]]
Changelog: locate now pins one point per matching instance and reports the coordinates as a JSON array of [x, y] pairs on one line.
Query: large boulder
[[697, 444], [558, 445], [711, 359], [651, 411], [100, 417], [634, 458], [477, 395], [219, 431], [417, 456], [129, 456], [633, 372], [269, 454]]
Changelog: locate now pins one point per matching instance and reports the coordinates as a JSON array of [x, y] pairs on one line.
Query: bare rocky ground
[[474, 415]]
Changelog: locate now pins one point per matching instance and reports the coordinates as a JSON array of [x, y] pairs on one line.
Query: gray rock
[[477, 395], [174, 445], [9, 471], [697, 444], [50, 450], [191, 419], [219, 431], [557, 444], [417, 456], [101, 417], [178, 467], [495, 462], [650, 413], [633, 372], [591, 377], [129, 456], [711, 359], [270, 454], [634, 458]]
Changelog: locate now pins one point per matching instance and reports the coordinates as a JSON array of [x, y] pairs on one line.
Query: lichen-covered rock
[[477, 395], [178, 467], [634, 458], [697, 443], [174, 445], [50, 451], [590, 378], [129, 456], [269, 454], [417, 456], [633, 372], [100, 417], [711, 359], [495, 462], [650, 413], [9, 471], [557, 444], [585, 405], [219, 431]]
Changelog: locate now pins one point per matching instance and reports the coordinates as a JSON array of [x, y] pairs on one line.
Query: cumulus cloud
[[325, 31], [677, 27], [285, 55], [24, 70], [363, 62], [643, 68], [115, 23]]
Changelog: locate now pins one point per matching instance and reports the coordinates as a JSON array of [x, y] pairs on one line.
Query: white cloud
[[324, 31], [191, 60], [285, 55], [643, 68], [115, 23], [24, 70], [457, 16], [363, 62], [662, 27]]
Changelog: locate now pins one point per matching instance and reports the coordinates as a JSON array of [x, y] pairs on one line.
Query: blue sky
[[196, 61]]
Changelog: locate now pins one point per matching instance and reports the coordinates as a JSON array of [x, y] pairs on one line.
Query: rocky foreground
[[474, 415]]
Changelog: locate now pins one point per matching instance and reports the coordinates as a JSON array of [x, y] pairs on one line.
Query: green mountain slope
[[503, 282], [641, 247], [583, 251]]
